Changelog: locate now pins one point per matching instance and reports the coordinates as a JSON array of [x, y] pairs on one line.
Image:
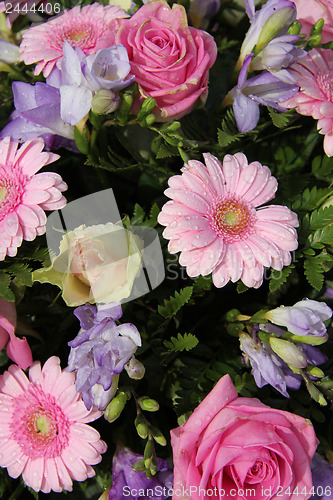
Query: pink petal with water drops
[[23, 196], [213, 222], [37, 409]]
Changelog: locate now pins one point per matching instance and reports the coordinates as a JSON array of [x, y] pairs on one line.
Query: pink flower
[[309, 11], [44, 435], [170, 60], [314, 75], [23, 195], [18, 350], [212, 220], [239, 444], [86, 28]]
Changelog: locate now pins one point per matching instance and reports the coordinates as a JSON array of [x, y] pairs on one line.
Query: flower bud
[[141, 426], [135, 369], [115, 407], [158, 436], [148, 404], [147, 106], [314, 371], [105, 101], [139, 465], [272, 27], [288, 352]]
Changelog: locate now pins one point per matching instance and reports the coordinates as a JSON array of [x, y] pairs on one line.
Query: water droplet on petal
[[173, 224]]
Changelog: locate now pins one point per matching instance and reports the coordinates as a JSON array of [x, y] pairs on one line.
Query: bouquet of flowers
[[166, 242]]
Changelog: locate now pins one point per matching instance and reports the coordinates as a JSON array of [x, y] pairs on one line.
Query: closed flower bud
[[276, 22], [288, 352], [115, 407], [135, 369], [148, 404], [141, 426], [314, 371], [147, 106], [105, 101], [158, 436], [9, 53]]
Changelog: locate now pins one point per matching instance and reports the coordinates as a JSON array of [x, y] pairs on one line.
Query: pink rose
[[18, 350], [231, 444], [170, 60], [309, 11]]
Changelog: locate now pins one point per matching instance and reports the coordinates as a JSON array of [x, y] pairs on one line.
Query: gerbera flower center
[[11, 189], [39, 425], [232, 219], [83, 35], [325, 83]]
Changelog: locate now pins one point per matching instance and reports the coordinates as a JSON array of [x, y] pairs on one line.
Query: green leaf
[[319, 219], [174, 304], [322, 167], [280, 120], [138, 215], [278, 278], [311, 199], [314, 272], [184, 342], [22, 274], [241, 288], [166, 150], [5, 291]]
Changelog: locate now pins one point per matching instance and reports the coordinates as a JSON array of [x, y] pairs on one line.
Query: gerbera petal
[[223, 233]]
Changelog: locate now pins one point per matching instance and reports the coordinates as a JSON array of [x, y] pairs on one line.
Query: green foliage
[[228, 133], [281, 120], [322, 168], [174, 304], [184, 342], [140, 219], [278, 278], [314, 272], [311, 199], [5, 290]]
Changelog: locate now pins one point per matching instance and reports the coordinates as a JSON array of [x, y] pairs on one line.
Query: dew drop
[[229, 173], [211, 256], [173, 224], [198, 421], [222, 280], [187, 218], [204, 193], [195, 228]]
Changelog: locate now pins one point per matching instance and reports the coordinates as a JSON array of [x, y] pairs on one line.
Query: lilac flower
[[264, 88], [37, 114], [303, 318], [267, 367], [81, 77], [322, 477], [125, 480], [271, 21], [100, 351]]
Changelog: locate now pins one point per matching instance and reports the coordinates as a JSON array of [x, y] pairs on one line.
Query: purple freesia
[[100, 351], [37, 114], [264, 88], [201, 11], [267, 367], [81, 77], [322, 477], [133, 484], [303, 318]]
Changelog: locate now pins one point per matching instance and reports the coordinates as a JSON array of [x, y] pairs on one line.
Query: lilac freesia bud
[[127, 482], [105, 101], [100, 351], [9, 52], [82, 76], [271, 21], [135, 369], [303, 318]]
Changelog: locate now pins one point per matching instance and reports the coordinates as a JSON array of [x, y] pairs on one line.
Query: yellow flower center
[[232, 219]]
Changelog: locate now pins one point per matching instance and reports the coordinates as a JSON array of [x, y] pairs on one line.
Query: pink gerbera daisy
[[87, 28], [43, 430], [314, 75], [212, 220], [23, 195]]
